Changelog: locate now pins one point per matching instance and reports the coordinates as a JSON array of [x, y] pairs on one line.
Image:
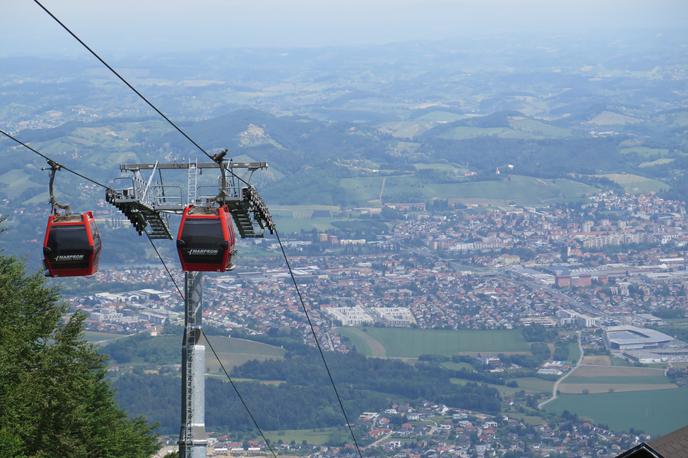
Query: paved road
[[555, 388], [378, 442]]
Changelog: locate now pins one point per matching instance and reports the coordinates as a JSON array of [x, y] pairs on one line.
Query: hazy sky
[[136, 26]]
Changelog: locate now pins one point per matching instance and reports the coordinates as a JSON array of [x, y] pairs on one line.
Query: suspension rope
[[217, 357], [130, 86], [62, 166], [174, 282], [164, 264], [286, 259], [241, 398], [317, 342]]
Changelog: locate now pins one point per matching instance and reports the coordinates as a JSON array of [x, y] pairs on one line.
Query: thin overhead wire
[[217, 357], [286, 259], [241, 398], [130, 86], [317, 343], [11, 137], [174, 282], [164, 264]]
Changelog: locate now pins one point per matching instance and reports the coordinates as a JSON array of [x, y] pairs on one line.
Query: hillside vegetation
[[54, 399]]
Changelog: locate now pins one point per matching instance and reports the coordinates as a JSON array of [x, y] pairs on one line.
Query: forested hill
[[290, 393]]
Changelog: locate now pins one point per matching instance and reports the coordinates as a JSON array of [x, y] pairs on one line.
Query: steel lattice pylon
[[193, 440]]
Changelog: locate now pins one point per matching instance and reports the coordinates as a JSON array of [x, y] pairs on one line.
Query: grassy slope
[[519, 189], [234, 352], [363, 341], [635, 184]]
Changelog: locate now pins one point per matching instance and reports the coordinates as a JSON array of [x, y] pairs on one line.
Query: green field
[[98, 337], [527, 384], [452, 366], [574, 352], [235, 352], [534, 385], [411, 343], [16, 182], [165, 349], [311, 436], [603, 379], [515, 188], [635, 184], [504, 390], [439, 116], [656, 412], [626, 380], [519, 128]]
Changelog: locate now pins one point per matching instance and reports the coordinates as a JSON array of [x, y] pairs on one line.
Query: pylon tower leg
[[193, 440]]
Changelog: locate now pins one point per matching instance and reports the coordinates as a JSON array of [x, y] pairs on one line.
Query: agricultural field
[[364, 342], [501, 190], [235, 352], [146, 350], [518, 128], [605, 379], [597, 360], [574, 352], [295, 218], [100, 337], [16, 182], [656, 412], [635, 184], [504, 391], [311, 436], [406, 129], [534, 385], [530, 385], [411, 343], [515, 188]]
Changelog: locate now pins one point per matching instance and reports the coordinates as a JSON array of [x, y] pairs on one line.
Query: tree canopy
[[54, 398]]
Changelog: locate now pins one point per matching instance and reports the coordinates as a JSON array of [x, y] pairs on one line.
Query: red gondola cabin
[[205, 242], [71, 247]]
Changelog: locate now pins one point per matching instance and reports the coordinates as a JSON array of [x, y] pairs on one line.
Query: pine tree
[[54, 398]]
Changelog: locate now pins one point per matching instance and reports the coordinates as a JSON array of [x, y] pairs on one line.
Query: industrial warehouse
[[635, 338], [645, 346]]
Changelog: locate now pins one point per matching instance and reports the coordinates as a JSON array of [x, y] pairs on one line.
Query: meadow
[[101, 337], [604, 379], [235, 352], [411, 343], [635, 184], [500, 190], [312, 436], [655, 412], [145, 350]]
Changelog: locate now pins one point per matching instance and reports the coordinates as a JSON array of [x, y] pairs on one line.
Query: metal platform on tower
[[147, 202]]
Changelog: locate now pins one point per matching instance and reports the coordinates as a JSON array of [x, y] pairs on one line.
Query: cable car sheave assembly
[[206, 236]]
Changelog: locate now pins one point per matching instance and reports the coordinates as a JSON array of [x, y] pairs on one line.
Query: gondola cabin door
[[206, 239], [71, 247]]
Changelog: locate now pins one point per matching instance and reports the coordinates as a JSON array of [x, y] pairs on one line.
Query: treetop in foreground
[[54, 398]]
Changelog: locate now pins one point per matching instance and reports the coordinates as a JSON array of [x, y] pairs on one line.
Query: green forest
[[304, 397]]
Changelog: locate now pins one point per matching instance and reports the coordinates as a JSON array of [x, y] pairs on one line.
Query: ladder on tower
[[192, 182], [188, 384]]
